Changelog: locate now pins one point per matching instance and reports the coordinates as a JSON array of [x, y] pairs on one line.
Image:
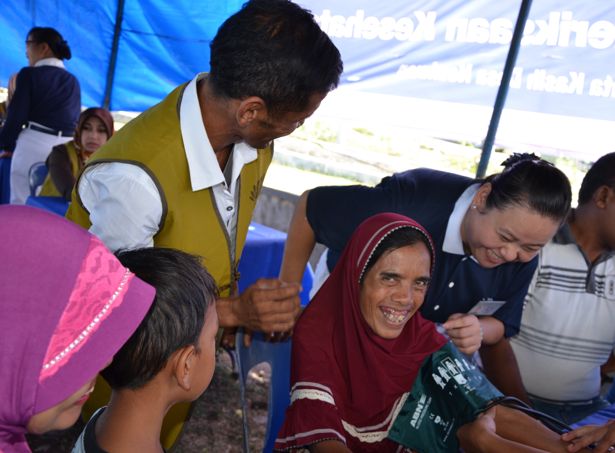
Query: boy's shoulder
[[86, 443]]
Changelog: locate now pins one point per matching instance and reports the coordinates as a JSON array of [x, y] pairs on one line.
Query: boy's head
[[180, 328], [598, 190]]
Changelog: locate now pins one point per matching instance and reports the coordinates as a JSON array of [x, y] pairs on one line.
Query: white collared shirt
[[123, 201], [52, 61], [452, 239]]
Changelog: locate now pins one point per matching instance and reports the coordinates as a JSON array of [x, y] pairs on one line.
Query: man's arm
[[501, 368], [124, 205], [502, 429]]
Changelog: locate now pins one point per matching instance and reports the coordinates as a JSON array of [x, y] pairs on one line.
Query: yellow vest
[[190, 220], [49, 189]]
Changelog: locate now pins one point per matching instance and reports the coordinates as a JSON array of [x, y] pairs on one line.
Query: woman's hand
[[602, 435], [464, 331]]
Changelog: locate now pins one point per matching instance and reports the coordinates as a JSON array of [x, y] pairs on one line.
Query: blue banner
[[454, 50]]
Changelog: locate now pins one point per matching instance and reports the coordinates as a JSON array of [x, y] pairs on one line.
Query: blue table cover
[[598, 418], [57, 205], [262, 258]]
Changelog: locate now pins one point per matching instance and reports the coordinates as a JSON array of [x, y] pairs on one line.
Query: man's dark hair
[[184, 292], [601, 173], [275, 50], [54, 40], [532, 182]]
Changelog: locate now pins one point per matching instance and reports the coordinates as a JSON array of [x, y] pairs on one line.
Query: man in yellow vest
[[187, 172]]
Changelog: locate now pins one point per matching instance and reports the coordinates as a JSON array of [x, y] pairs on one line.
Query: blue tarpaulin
[[450, 51]]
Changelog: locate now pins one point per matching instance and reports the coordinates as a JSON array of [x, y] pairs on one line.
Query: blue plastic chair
[[277, 355], [36, 176]]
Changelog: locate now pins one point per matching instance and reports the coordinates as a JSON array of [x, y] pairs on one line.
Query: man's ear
[[250, 109], [601, 196], [184, 363], [480, 198]]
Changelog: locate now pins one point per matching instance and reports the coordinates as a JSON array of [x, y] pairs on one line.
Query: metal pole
[[113, 57], [500, 99]]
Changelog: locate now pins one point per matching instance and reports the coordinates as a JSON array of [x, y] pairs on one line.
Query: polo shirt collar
[[564, 236], [452, 238], [203, 166], [50, 62]]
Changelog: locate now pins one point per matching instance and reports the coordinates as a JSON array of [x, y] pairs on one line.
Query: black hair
[[397, 239], [530, 181], [275, 50], [601, 173], [184, 292], [54, 40]]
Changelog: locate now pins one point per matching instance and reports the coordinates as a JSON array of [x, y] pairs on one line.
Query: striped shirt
[[568, 323]]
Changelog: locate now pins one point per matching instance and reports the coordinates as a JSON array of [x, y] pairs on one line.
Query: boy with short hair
[[169, 359]]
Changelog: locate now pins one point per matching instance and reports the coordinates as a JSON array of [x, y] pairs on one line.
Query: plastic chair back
[[277, 355], [36, 176]]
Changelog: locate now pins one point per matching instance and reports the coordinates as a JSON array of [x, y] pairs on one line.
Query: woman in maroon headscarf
[[358, 347], [67, 305], [66, 161]]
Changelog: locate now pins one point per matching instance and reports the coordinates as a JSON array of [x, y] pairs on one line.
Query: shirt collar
[[50, 62], [452, 239], [203, 166]]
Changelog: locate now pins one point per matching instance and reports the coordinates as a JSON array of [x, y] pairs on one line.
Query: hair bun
[[520, 157]]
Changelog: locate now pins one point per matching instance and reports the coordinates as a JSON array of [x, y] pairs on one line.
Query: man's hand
[[269, 305], [602, 435], [471, 435], [465, 332], [5, 154]]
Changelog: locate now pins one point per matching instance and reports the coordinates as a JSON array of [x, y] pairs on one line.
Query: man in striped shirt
[[568, 324]]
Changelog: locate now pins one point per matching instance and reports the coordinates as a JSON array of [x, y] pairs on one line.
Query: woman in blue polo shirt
[[47, 101], [487, 235]]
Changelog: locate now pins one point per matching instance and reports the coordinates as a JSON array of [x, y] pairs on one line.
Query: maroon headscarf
[[100, 113], [345, 379], [67, 305]]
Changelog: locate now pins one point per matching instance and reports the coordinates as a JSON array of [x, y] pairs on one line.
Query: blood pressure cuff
[[449, 392]]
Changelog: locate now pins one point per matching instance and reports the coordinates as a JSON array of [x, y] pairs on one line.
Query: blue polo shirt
[[429, 197], [47, 95]]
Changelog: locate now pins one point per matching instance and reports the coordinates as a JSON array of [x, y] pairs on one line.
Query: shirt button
[[437, 307], [229, 208], [451, 284]]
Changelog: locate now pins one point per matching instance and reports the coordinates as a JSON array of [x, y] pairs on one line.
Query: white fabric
[[566, 332], [124, 204], [50, 62], [31, 147], [452, 238]]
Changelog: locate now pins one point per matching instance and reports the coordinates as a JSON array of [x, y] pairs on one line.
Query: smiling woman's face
[[394, 289], [512, 234]]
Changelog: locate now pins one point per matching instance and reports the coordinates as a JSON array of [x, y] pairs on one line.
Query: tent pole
[[113, 58], [500, 99]]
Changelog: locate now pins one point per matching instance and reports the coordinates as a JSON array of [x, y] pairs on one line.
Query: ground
[[215, 425]]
